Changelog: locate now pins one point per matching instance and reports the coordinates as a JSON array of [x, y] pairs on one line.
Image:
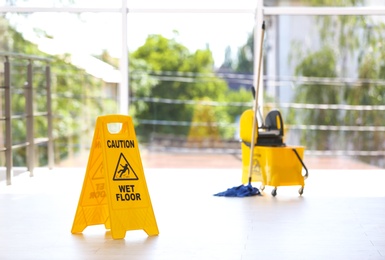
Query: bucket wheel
[[300, 191], [274, 192]]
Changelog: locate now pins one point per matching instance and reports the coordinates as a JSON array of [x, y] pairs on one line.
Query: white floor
[[341, 215]]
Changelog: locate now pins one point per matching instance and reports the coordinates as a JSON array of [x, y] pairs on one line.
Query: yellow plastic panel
[[256, 175], [93, 206], [246, 126], [274, 166], [282, 167]]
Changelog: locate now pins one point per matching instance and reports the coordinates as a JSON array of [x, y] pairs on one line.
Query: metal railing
[[357, 136], [8, 116], [29, 89]]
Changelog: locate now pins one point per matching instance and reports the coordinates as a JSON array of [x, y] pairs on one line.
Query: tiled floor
[[341, 215]]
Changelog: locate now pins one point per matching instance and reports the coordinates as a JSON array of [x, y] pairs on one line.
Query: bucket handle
[[304, 166]]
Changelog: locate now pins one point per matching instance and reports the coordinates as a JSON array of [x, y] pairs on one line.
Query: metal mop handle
[[256, 106]]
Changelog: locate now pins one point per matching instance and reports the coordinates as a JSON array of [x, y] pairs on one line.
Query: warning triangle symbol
[[124, 170], [98, 173]]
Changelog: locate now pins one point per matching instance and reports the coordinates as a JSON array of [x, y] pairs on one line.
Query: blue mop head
[[240, 191]]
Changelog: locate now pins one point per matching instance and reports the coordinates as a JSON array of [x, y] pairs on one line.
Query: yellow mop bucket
[[275, 166]]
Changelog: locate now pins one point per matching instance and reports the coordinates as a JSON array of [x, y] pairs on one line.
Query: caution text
[[120, 144]]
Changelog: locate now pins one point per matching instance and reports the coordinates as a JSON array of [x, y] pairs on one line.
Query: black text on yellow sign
[[115, 191], [120, 144], [127, 193]]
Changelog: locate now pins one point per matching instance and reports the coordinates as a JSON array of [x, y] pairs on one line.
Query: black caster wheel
[[274, 192], [300, 191]]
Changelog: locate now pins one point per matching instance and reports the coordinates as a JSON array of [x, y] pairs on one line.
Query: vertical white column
[[123, 87]]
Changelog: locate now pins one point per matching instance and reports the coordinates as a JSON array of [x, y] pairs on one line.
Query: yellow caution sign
[[114, 190]]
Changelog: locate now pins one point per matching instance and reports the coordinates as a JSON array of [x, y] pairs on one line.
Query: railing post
[[8, 122], [51, 159], [30, 119]]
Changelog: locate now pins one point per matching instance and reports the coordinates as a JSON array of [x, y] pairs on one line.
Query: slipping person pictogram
[[123, 170]]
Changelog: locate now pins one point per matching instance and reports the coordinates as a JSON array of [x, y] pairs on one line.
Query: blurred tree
[[182, 76], [345, 41], [76, 101], [107, 58], [319, 64], [200, 133], [228, 62], [140, 82], [245, 58], [368, 92]]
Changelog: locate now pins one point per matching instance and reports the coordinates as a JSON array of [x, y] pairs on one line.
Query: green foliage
[[342, 32], [76, 102], [228, 62], [168, 57], [245, 60], [141, 85], [342, 38], [160, 69], [242, 100], [320, 64], [204, 113]]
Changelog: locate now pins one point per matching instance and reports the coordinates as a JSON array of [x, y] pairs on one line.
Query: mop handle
[[256, 106]]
